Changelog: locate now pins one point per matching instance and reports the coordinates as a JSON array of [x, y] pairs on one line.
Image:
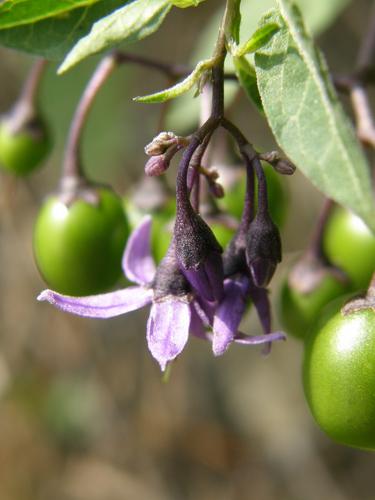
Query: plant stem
[[30, 90], [355, 85], [367, 49], [182, 189], [173, 71], [315, 247], [248, 209], [72, 163], [24, 110], [250, 156], [217, 109]]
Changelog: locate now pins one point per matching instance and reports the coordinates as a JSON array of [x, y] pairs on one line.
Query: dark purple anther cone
[[263, 249], [169, 280]]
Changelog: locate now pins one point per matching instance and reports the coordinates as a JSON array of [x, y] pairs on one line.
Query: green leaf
[[182, 4], [15, 13], [232, 30], [319, 14], [128, 24], [181, 87], [257, 40], [306, 116], [246, 75], [54, 36]]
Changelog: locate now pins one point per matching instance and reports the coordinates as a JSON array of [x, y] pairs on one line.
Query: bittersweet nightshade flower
[[175, 309], [239, 287], [173, 312]]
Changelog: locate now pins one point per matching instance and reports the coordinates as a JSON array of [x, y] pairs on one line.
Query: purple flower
[[173, 311], [240, 287], [238, 291]]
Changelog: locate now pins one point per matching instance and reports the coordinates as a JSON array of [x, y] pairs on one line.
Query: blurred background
[[84, 413]]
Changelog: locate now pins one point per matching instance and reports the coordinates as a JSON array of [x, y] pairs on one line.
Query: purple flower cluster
[[195, 289]]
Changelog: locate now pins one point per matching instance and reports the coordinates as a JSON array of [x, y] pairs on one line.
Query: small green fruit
[[78, 247], [339, 377], [350, 245], [23, 149]]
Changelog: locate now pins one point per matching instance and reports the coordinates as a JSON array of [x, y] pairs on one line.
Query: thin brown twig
[[365, 125], [356, 83], [172, 70]]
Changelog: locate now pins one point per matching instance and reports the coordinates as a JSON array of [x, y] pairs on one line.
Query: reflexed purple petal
[[262, 304], [168, 329], [105, 305], [228, 315], [197, 324], [262, 271], [208, 278], [137, 262], [259, 296], [241, 338], [205, 311], [215, 273]]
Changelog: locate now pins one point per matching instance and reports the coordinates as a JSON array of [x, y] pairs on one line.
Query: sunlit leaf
[[247, 77], [257, 40], [127, 24], [181, 87], [15, 13], [54, 35], [306, 116], [318, 14], [182, 4]]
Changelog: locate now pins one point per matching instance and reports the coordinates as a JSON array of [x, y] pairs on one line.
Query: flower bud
[[161, 143], [263, 249], [216, 189], [281, 165], [156, 165], [284, 167]]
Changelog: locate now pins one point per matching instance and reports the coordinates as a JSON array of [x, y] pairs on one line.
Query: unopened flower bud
[[161, 143], [281, 165], [156, 165], [263, 249], [216, 189], [270, 156], [284, 167]]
